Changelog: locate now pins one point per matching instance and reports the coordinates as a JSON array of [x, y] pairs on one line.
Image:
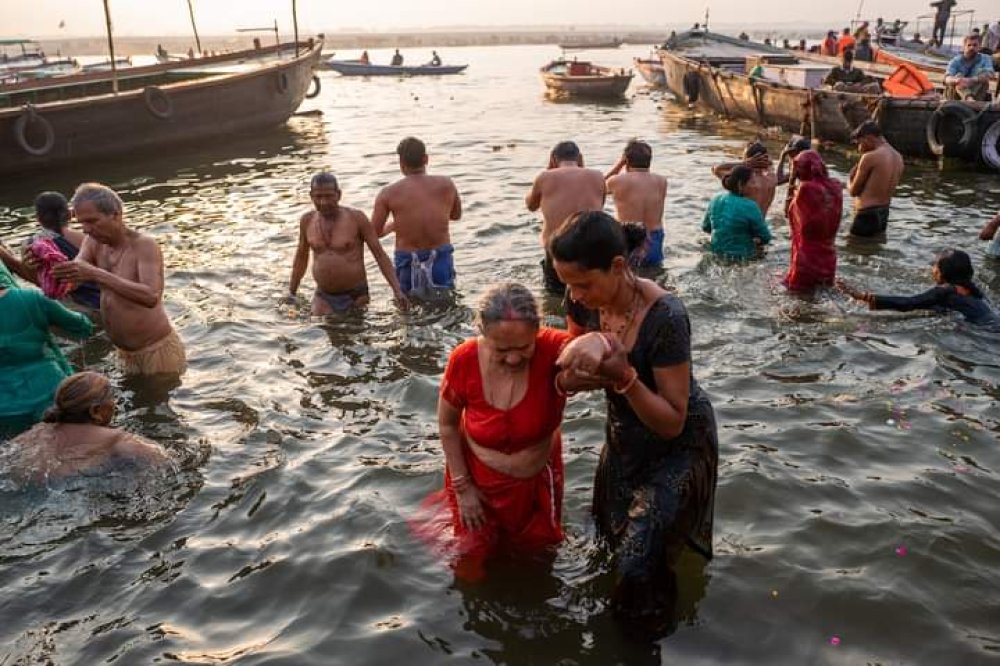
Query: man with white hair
[[128, 267]]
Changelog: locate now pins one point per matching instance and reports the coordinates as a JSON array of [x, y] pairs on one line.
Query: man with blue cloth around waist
[[639, 196], [421, 207]]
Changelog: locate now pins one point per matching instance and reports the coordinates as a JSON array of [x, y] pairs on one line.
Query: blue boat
[[358, 68]]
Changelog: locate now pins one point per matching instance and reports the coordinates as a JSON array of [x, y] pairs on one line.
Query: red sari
[[813, 219], [520, 514]]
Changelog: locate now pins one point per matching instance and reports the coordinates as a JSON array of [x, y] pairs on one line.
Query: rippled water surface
[[856, 516]]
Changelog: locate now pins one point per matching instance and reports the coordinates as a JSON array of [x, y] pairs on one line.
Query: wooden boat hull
[[354, 68], [587, 86], [205, 109], [651, 71], [824, 114]]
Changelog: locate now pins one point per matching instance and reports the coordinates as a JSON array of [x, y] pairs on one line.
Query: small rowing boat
[[651, 70], [585, 79], [358, 68]]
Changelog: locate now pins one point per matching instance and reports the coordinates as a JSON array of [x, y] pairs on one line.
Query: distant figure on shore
[[991, 233], [421, 207], [845, 42], [848, 78], [128, 267], [873, 180], [738, 229], [364, 60], [397, 59], [336, 236], [763, 181], [76, 436], [969, 75], [564, 188], [813, 221], [435, 59], [955, 291], [639, 196], [942, 14]]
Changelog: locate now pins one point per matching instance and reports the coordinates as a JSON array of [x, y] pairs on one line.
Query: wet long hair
[[52, 211], [507, 301], [737, 178], [955, 267], [75, 397], [592, 239]]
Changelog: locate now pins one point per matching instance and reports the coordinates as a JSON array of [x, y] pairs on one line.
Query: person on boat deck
[[76, 436], [803, 46], [916, 38], [845, 77], [564, 188], [845, 42], [873, 180], [744, 36], [128, 266], [785, 44], [336, 236], [955, 291], [764, 181], [829, 47], [991, 39], [639, 196], [969, 74], [421, 207], [397, 59], [435, 59], [31, 363], [863, 50], [654, 486], [813, 221], [880, 28], [735, 221], [364, 60], [52, 214], [991, 233], [796, 145], [499, 411]]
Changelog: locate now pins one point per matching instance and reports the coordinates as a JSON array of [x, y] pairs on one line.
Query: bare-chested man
[[639, 196], [873, 180], [336, 235], [421, 206], [566, 187], [764, 181], [128, 267]]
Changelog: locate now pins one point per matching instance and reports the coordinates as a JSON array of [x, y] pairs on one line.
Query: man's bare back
[[563, 190], [421, 207], [639, 196], [873, 181], [761, 188]]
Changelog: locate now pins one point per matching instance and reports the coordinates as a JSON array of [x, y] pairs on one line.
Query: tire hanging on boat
[[314, 89], [158, 103], [990, 145], [692, 82], [951, 130], [30, 117]]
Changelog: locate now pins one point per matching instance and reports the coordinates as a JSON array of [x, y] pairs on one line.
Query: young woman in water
[[655, 484], [813, 221], [955, 291], [735, 221], [76, 436]]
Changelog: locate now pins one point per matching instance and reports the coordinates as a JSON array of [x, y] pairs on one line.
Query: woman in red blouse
[[499, 413]]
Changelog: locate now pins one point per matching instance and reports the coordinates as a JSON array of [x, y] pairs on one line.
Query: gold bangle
[[560, 391]]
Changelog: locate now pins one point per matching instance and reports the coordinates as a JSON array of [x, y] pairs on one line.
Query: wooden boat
[[583, 45], [78, 118], [358, 68], [928, 61], [584, 79], [18, 54], [713, 71], [651, 70]]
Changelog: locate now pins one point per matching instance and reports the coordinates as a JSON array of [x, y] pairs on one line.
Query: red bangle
[[621, 389]]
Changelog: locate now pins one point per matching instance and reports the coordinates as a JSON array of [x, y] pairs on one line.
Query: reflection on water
[[858, 462]]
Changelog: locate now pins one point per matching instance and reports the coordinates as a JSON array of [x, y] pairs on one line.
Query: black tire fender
[[158, 103], [952, 113], [314, 89], [989, 145], [28, 117]]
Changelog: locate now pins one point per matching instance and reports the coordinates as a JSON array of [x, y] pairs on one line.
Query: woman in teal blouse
[[31, 365], [734, 220]]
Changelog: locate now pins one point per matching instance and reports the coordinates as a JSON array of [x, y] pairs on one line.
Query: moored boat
[[714, 71], [58, 121], [585, 79], [651, 70], [359, 68]]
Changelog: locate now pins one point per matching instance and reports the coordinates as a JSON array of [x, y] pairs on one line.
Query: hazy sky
[[220, 17]]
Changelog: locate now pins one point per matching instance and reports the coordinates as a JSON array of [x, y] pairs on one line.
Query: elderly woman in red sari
[[813, 220], [499, 412]]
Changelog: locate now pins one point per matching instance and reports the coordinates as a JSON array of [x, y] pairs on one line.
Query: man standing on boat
[[873, 180], [942, 14], [421, 207], [564, 188], [639, 196], [969, 74], [128, 267], [397, 59]]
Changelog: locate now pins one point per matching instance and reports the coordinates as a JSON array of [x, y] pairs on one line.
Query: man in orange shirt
[[846, 41]]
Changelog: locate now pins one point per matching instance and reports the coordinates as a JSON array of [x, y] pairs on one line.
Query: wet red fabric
[[813, 220], [48, 255], [522, 515]]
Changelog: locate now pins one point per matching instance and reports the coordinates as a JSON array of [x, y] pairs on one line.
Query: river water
[[856, 516]]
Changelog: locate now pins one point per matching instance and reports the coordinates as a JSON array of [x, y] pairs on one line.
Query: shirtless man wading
[[336, 235], [128, 267], [421, 207], [873, 180], [566, 187], [639, 196]]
